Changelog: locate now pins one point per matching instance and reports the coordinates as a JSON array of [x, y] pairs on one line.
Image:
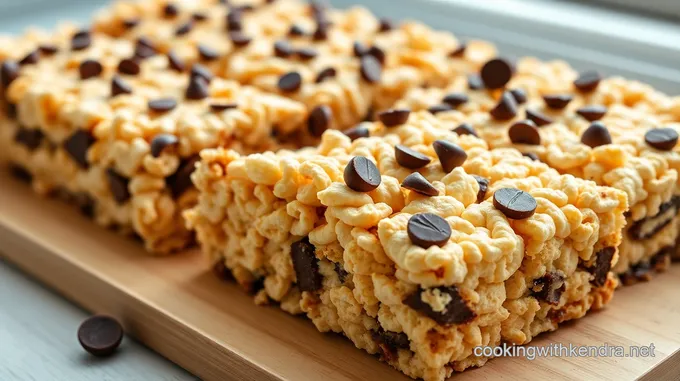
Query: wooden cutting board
[[175, 306]]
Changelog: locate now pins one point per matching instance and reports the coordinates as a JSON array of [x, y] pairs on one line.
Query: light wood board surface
[[175, 306]]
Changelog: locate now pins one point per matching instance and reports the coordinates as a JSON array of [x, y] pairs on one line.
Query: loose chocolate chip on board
[[29, 137], [199, 70], [475, 82], [77, 145], [296, 31], [549, 287], [602, 265], [31, 58], [223, 106], [514, 203], [457, 310], [283, 49], [371, 70], [90, 69], [362, 175], [393, 340], [663, 139], [319, 120], [592, 113], [180, 181], [8, 73], [239, 39], [118, 186], [306, 265], [520, 96], [587, 81], [119, 86], [307, 53], [428, 229], [483, 188], [129, 66], [131, 23], [455, 99], [81, 40], [409, 158], [325, 74], [162, 141], [100, 335], [386, 25], [596, 135], [198, 89], [357, 132], [497, 72], [450, 155], [557, 101], [170, 10], [524, 132], [419, 184], [48, 49], [465, 129], [459, 51], [184, 29], [176, 63], [442, 107], [394, 117], [506, 108], [290, 82], [538, 118], [162, 104]]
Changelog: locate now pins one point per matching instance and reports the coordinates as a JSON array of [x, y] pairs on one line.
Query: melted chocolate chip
[[419, 184], [596, 135], [290, 82], [394, 117], [549, 288], [118, 186], [409, 158], [450, 155], [162, 141], [592, 113], [538, 118], [506, 108], [428, 229], [557, 101], [77, 146], [319, 120], [90, 69], [457, 310], [393, 340], [306, 265], [663, 139], [362, 175], [602, 265], [483, 188], [514, 203], [497, 72], [180, 181], [524, 132]]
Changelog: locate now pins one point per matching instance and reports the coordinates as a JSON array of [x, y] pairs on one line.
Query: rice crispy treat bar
[[121, 136], [616, 132], [414, 242]]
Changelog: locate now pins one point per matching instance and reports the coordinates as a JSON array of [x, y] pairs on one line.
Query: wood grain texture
[[175, 306]]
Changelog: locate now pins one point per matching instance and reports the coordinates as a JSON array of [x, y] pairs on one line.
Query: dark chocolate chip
[[409, 158], [557, 101], [450, 155], [119, 86], [321, 32], [306, 265], [592, 113], [457, 310], [602, 265], [596, 135], [239, 39], [90, 69], [640, 230], [393, 340], [307, 53], [162, 141], [506, 108], [162, 104], [48, 49], [475, 82], [483, 188], [176, 63], [207, 53], [20, 173], [283, 49], [465, 129], [459, 51], [378, 53], [549, 287], [538, 118], [357, 132], [455, 99], [8, 73], [359, 49], [290, 82], [394, 117], [81, 40], [361, 175], [118, 186], [497, 72], [180, 181], [145, 48], [170, 10], [199, 16], [520, 96], [184, 29], [319, 120], [427, 229], [385, 25], [201, 71], [31, 58], [29, 137], [129, 66], [442, 107], [342, 274], [325, 74], [100, 335], [371, 70], [131, 23], [531, 156], [663, 139], [514, 203], [419, 184], [219, 107], [77, 146], [296, 31], [588, 81], [198, 88]]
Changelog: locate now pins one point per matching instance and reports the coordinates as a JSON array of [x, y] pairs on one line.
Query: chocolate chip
[[450, 155], [465, 129], [235, 20], [90, 69], [455, 99], [184, 28], [219, 107], [180, 181], [371, 71], [290, 82], [198, 16], [131, 23], [306, 265], [385, 25], [506, 108], [602, 265], [162, 104], [118, 186], [419, 184], [307, 53], [588, 81], [514, 203], [393, 340], [198, 88], [357, 132], [394, 117], [29, 137], [475, 82], [119, 86], [170, 10], [531, 156], [538, 118], [342, 274], [442, 107], [31, 58], [145, 48], [296, 31], [361, 175], [20, 173], [520, 96], [321, 32], [201, 71], [239, 39], [557, 101], [48, 49], [456, 312], [459, 51], [81, 40], [497, 72], [77, 146], [325, 74], [283, 49], [359, 49], [549, 287], [378, 53], [176, 63], [100, 335], [640, 230], [663, 139], [427, 229], [129, 66], [8, 73], [409, 158], [592, 113], [162, 141], [319, 120], [483, 188], [207, 53], [596, 135]]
